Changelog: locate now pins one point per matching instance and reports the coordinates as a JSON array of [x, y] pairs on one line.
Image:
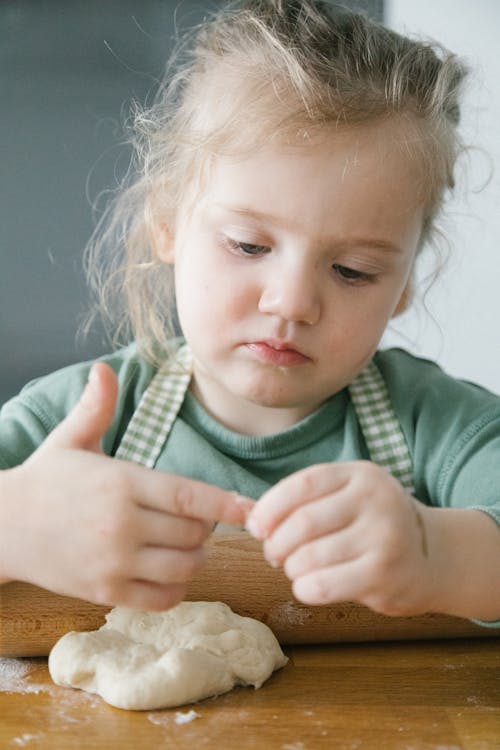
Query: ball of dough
[[148, 660]]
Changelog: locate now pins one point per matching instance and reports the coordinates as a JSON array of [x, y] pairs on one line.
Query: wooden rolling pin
[[32, 619]]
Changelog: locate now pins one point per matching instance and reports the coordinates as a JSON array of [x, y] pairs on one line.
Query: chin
[[274, 398]]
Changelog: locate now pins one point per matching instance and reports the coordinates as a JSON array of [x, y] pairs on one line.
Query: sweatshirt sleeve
[[452, 428], [470, 475], [27, 419]]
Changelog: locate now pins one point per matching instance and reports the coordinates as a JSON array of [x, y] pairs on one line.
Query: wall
[[461, 328], [68, 71]]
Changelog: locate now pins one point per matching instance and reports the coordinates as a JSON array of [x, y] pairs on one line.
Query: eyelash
[[348, 276], [244, 247]]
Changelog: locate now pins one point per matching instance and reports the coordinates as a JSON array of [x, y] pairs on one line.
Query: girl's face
[[288, 269]]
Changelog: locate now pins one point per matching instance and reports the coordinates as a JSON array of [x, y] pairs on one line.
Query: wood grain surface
[[32, 619], [426, 695]]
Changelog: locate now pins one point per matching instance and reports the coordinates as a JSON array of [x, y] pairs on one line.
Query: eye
[[249, 249], [245, 248], [350, 275]]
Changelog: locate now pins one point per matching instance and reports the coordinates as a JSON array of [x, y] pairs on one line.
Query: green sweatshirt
[[452, 429]]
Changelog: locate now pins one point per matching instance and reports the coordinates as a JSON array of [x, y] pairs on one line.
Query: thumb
[[90, 418]]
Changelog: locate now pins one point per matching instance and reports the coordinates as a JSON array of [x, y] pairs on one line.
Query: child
[[291, 172]]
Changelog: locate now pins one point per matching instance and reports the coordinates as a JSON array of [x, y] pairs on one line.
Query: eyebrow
[[373, 242]]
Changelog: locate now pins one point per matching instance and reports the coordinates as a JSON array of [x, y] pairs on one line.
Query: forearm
[[464, 551]]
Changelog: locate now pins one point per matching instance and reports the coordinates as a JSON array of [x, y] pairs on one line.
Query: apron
[[152, 421]]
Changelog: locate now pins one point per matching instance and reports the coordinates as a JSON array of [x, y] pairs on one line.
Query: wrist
[[464, 558], [9, 504]]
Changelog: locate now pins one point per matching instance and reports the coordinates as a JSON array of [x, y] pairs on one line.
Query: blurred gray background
[[68, 72]]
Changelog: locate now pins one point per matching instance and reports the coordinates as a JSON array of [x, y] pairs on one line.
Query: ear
[[163, 240], [404, 300]]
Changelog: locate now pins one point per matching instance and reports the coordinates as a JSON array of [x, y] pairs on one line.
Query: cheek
[[208, 297], [192, 299], [357, 324], [212, 289]]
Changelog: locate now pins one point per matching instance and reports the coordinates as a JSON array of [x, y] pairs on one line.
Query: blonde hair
[[259, 71]]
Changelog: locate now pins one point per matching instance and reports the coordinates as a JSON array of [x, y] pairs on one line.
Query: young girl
[[290, 174]]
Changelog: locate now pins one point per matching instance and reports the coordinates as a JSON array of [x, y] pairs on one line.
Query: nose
[[293, 295]]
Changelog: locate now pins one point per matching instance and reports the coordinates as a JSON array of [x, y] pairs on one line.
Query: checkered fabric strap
[[381, 429], [153, 419]]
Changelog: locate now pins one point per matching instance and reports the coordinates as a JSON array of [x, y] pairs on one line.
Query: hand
[[348, 532], [83, 524]]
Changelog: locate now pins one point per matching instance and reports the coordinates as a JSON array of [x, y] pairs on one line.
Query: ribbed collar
[[309, 430]]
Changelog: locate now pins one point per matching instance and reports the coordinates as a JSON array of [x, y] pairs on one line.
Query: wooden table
[[426, 695]]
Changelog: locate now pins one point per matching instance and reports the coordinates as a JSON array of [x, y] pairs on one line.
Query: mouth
[[276, 352]]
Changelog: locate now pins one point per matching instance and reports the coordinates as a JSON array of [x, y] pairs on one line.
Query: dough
[[148, 660]]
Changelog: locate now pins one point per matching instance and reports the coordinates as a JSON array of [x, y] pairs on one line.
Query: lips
[[276, 352]]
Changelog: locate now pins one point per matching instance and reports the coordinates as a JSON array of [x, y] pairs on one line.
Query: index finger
[[291, 493], [190, 498]]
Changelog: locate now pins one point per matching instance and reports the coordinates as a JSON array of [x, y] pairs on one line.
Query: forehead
[[338, 178]]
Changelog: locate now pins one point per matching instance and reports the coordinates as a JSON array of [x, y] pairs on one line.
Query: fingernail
[[86, 396], [243, 500], [92, 381], [92, 377], [269, 557], [252, 526]]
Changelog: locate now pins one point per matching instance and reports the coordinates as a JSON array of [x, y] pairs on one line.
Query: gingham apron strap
[[160, 403], [381, 429]]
